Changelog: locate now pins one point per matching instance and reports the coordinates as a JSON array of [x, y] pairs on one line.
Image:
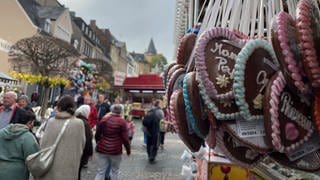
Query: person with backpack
[[151, 127]]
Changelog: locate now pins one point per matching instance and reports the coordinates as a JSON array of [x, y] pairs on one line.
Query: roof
[[151, 48], [143, 82], [138, 57], [38, 14]]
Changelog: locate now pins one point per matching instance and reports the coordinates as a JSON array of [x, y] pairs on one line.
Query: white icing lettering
[[223, 67], [292, 113], [270, 63], [223, 52], [262, 79]]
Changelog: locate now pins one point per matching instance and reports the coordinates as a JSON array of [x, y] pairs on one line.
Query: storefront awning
[[143, 82]]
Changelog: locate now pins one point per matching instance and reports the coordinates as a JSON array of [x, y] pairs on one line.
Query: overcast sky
[[132, 21]]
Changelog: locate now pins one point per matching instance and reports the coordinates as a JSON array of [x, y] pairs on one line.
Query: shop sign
[[119, 78]]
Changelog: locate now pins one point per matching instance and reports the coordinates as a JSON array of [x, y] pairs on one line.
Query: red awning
[[143, 82]]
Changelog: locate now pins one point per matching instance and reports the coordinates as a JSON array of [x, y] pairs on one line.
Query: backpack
[[149, 118]]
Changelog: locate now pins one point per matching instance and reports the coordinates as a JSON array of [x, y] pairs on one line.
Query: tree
[[159, 60], [45, 56]]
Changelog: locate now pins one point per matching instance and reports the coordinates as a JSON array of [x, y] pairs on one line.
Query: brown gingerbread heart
[[286, 45], [185, 48], [192, 141], [287, 116], [215, 54], [175, 82], [195, 103], [255, 65], [308, 20]]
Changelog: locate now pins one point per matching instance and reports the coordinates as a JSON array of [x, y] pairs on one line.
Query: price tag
[[310, 146], [250, 128]]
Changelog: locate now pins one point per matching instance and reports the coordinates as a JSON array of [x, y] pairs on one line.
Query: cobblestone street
[[136, 166]]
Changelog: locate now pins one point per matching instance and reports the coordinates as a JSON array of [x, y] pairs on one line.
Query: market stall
[[246, 86], [142, 90]]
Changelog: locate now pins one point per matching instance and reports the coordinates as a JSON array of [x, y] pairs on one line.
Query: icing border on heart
[[189, 113], [200, 61], [212, 107], [239, 74], [170, 87], [277, 87], [304, 22], [295, 72], [316, 111], [183, 58]]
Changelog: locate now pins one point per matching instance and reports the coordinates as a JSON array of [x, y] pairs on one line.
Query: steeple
[[151, 48]]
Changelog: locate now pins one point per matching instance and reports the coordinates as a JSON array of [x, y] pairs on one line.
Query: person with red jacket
[[93, 116], [111, 134]]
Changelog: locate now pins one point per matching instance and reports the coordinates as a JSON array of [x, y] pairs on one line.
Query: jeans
[[105, 162], [152, 147]]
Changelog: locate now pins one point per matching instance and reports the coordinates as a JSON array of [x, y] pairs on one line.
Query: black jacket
[[88, 148], [102, 110]]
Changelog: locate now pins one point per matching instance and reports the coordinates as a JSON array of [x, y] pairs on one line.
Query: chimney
[[93, 23], [73, 14]]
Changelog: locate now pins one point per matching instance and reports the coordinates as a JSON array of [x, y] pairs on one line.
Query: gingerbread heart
[[185, 48], [177, 106], [174, 68], [165, 74], [175, 82], [255, 65], [257, 143], [194, 108], [310, 162], [287, 116], [236, 151], [286, 45], [308, 20], [215, 53]]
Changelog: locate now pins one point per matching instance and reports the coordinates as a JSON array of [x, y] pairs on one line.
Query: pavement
[[136, 166]]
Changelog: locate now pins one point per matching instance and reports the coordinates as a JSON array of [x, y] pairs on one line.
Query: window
[[82, 27], [47, 24]]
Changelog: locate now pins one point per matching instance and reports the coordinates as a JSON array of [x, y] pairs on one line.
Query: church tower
[[151, 49]]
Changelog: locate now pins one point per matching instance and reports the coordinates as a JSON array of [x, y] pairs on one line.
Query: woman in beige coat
[[67, 157]]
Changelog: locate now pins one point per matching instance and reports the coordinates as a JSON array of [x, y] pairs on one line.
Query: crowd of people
[[109, 124]]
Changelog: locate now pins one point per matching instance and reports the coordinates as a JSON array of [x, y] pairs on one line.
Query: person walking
[[16, 144], [111, 134], [83, 113], [67, 157], [151, 123], [102, 107], [9, 111]]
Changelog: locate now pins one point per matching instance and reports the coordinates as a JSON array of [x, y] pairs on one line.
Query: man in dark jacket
[[102, 107], [9, 111], [151, 124], [111, 134]]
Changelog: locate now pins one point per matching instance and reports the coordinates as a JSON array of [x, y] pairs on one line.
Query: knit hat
[[83, 110]]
